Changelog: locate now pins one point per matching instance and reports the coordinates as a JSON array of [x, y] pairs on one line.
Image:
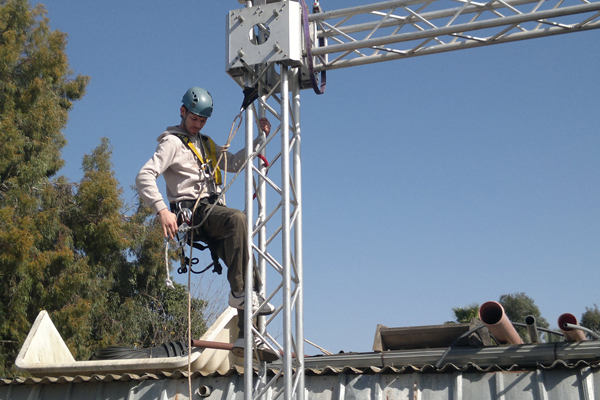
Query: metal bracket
[[264, 34]]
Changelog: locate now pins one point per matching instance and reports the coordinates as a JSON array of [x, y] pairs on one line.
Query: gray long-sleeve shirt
[[179, 165]]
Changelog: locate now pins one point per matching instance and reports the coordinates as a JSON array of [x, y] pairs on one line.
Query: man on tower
[[188, 160]]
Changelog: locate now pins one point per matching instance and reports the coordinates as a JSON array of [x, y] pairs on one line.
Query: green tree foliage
[[517, 307], [36, 93], [465, 314], [591, 319], [68, 248]]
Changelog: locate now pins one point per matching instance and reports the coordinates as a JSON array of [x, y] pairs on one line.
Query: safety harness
[[183, 209], [211, 155]]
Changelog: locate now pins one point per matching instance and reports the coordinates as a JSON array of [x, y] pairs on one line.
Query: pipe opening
[[204, 391], [567, 319], [490, 313]]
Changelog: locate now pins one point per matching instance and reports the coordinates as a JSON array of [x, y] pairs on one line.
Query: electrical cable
[[438, 364], [581, 328], [467, 333]]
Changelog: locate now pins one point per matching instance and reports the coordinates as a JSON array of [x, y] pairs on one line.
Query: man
[[188, 161]]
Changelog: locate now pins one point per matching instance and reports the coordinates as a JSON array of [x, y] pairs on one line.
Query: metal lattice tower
[[278, 48]]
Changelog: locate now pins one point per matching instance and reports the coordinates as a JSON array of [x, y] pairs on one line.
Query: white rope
[[225, 147], [168, 280], [193, 228]]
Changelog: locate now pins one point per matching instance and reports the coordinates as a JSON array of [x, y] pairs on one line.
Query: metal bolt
[[240, 18], [276, 13], [277, 47], [241, 53]]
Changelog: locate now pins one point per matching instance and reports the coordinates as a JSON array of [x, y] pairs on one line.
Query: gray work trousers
[[225, 231]]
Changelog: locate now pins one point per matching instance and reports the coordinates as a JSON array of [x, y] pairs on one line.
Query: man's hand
[[265, 126], [168, 221]]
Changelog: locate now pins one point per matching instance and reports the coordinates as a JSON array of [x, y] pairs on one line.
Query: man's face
[[193, 123]]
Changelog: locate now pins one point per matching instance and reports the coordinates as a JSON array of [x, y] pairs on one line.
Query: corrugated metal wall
[[540, 384]]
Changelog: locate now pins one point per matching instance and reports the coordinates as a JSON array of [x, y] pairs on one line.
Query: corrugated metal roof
[[327, 370], [558, 381], [532, 371], [526, 355]]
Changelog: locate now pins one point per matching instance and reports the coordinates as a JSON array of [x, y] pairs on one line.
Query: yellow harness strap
[[211, 155]]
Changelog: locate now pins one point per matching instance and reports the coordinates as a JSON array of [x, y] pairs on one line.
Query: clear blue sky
[[429, 183]]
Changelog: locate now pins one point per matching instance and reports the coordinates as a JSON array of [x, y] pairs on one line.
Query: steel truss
[[407, 28], [275, 222], [353, 36], [280, 222]]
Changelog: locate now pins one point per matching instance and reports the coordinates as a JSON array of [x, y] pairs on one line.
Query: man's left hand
[[265, 126]]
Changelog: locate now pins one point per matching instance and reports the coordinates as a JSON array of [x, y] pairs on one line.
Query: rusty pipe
[[572, 334], [492, 315], [207, 344]]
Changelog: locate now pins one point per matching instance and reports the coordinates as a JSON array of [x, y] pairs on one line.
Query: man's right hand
[[168, 221]]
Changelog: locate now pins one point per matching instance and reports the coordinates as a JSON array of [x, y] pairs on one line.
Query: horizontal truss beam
[[407, 28]]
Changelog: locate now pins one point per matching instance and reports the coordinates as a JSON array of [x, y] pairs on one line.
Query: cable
[[309, 56], [539, 328], [467, 333], [439, 363], [581, 328]]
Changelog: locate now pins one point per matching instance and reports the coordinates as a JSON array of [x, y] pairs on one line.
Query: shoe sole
[[267, 355], [260, 313]]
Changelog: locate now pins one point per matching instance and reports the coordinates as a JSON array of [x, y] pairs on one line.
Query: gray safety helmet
[[198, 101]]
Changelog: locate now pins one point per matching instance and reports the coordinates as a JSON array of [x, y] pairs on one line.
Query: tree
[[591, 319], [97, 272], [68, 248], [36, 93], [517, 307], [465, 314]]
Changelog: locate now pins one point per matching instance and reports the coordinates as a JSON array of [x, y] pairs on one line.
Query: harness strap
[[185, 261], [211, 156]]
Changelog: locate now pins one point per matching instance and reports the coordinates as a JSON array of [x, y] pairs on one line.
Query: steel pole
[[285, 234], [248, 336], [248, 339], [297, 179]]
